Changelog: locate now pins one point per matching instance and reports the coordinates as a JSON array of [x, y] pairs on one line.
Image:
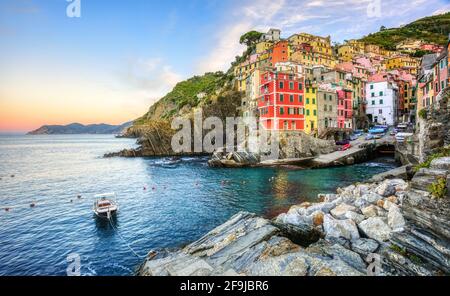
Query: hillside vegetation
[[433, 29], [188, 94]]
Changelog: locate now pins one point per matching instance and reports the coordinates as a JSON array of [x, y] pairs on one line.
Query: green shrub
[[402, 251], [443, 152], [423, 114], [439, 188]]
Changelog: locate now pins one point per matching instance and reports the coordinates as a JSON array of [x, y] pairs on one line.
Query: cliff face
[[213, 93]]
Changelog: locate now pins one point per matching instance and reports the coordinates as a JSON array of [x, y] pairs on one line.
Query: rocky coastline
[[392, 226]]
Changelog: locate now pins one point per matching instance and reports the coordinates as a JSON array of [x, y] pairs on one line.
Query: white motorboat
[[105, 205]]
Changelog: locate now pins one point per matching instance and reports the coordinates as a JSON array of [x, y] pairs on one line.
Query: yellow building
[[346, 53], [313, 59], [263, 46], [371, 48], [351, 48], [402, 62], [311, 109]]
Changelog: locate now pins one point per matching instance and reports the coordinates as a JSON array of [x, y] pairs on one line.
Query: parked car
[[343, 142], [346, 147], [354, 137]]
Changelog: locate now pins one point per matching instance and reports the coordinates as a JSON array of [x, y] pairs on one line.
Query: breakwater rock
[[390, 227]]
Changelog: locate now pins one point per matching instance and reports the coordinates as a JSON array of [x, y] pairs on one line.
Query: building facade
[[281, 101], [382, 98]]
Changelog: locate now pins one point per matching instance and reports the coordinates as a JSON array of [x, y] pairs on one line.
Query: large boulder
[[340, 228], [340, 210], [442, 163], [375, 228], [395, 219], [364, 246], [371, 197]]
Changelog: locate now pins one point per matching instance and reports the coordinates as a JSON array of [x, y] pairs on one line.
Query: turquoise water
[[180, 202]]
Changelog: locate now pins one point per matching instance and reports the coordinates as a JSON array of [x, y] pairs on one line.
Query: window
[[371, 86], [373, 102], [373, 94], [313, 90], [291, 111], [314, 101], [307, 112], [300, 86], [381, 102], [331, 108], [307, 100], [307, 90], [331, 97], [381, 93], [300, 98], [291, 98], [380, 111], [281, 85], [315, 112], [324, 96], [281, 98], [281, 110], [291, 85], [324, 107]]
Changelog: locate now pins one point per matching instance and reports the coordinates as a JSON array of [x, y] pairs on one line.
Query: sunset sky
[[111, 64]]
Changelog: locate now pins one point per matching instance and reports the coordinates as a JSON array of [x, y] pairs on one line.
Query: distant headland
[[78, 128]]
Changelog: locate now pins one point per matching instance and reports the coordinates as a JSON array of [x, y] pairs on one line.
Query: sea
[[162, 204]]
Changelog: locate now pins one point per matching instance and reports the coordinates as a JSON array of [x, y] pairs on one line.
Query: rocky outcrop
[[295, 149], [383, 228], [434, 129], [249, 245]]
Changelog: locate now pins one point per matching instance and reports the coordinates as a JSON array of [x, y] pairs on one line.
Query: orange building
[[279, 53]]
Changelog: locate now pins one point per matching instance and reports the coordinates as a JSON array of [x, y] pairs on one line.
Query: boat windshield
[[104, 203]]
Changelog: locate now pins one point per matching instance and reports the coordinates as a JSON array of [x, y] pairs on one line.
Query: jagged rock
[[375, 228], [340, 210], [340, 228], [370, 211], [395, 219], [372, 197], [318, 218], [358, 218], [339, 258], [302, 234], [361, 203], [393, 199], [425, 177], [442, 163], [360, 190], [386, 188], [364, 246], [387, 205]]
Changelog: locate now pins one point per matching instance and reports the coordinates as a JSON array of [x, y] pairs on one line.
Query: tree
[[250, 38], [382, 28]]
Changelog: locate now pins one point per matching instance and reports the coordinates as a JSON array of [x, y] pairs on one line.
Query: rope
[[124, 240]]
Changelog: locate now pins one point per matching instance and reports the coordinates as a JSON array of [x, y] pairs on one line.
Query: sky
[[119, 57]]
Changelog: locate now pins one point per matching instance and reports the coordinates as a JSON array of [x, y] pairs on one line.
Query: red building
[[279, 52], [281, 101], [345, 108]]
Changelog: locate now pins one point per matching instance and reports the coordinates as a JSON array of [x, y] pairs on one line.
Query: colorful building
[[326, 108], [382, 99], [281, 101], [344, 108], [311, 109], [403, 62], [279, 53]]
